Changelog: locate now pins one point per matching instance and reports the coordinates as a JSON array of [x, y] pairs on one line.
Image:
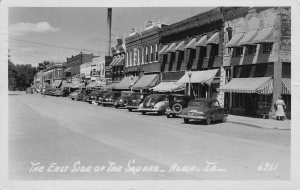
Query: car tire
[[186, 120], [143, 112], [177, 107], [208, 121], [130, 110]]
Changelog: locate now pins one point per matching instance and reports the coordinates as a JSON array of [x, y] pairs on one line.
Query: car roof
[[205, 99], [157, 95], [179, 95]]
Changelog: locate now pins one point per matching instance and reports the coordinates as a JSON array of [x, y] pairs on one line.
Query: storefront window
[[147, 56], [238, 100], [238, 51], [251, 49]]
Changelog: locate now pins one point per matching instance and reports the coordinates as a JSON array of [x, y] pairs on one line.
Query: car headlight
[[121, 100]]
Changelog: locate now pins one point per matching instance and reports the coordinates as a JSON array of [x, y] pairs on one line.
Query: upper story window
[[127, 59], [156, 52], [138, 56], [147, 55], [267, 47], [143, 56], [251, 49], [58, 73], [151, 53], [214, 50], [238, 51]]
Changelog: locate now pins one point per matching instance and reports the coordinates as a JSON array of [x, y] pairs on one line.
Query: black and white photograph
[[157, 95]]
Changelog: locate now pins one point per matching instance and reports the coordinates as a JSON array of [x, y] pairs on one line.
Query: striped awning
[[114, 61], [234, 40], [259, 85], [126, 83], [247, 38], [163, 50], [169, 87], [286, 86], [180, 46], [191, 44], [119, 62], [146, 82], [203, 77], [171, 48], [202, 41], [264, 35], [214, 39]]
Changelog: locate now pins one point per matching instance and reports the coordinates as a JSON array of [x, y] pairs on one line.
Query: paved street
[[60, 131]]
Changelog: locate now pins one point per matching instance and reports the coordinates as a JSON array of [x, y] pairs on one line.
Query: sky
[[55, 33]]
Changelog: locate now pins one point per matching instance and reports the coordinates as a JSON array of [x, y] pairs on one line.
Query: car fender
[[162, 105]]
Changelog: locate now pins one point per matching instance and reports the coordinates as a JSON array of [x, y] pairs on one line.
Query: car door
[[218, 110]]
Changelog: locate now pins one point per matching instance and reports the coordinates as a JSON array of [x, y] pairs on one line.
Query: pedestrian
[[280, 107]]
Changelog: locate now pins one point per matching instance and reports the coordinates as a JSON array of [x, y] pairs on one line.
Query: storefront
[[126, 83], [146, 82]]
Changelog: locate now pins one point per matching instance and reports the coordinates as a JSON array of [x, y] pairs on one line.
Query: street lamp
[[190, 76], [131, 82]]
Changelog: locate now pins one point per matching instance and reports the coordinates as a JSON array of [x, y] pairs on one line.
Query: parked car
[[110, 97], [61, 92], [74, 94], [48, 91], [154, 103], [83, 95], [206, 109], [122, 100], [99, 99], [135, 100], [176, 103], [93, 96]]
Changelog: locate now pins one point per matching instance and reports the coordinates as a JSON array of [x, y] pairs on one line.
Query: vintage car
[[82, 96], [74, 94], [61, 92], [109, 98], [204, 109], [154, 103], [122, 100], [176, 103], [135, 100], [93, 96], [49, 91]]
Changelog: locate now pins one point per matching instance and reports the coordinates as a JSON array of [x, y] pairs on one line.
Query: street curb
[[259, 126]]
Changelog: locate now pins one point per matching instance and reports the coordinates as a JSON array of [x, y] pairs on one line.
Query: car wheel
[[224, 120], [143, 112], [208, 121], [177, 107], [186, 120], [130, 109]]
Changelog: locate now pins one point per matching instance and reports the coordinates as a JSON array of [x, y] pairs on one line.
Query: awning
[[180, 46], [146, 82], [264, 35], [113, 61], [109, 86], [91, 84], [169, 87], [126, 83], [234, 40], [286, 86], [202, 41], [163, 50], [203, 77], [191, 44], [67, 70], [78, 85], [259, 85], [63, 85], [56, 83], [214, 39], [119, 62], [171, 48], [247, 38]]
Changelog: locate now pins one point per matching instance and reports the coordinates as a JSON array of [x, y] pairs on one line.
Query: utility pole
[[109, 16]]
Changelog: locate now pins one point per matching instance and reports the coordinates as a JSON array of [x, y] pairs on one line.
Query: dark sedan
[[109, 98], [83, 95], [204, 109], [135, 100], [122, 100], [61, 92], [74, 94], [176, 103], [93, 96]]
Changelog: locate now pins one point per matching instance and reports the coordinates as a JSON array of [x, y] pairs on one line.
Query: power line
[[56, 46]]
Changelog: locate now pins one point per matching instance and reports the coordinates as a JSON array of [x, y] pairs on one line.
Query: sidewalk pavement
[[260, 123]]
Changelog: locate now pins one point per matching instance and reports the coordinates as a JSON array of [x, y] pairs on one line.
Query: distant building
[[53, 75]]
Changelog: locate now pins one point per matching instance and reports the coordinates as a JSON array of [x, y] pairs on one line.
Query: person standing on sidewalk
[[280, 107]]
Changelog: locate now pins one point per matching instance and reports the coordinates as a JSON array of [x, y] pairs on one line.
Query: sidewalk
[[260, 123]]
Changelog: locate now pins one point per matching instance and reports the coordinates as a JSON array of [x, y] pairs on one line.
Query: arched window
[[138, 56], [151, 53], [156, 52], [127, 59], [147, 56]]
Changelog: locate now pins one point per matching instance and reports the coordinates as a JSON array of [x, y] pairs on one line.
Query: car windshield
[[110, 95], [153, 99], [138, 96], [201, 103]]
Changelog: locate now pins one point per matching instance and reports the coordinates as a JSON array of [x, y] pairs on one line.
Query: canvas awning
[[119, 62], [191, 44], [259, 85], [169, 87], [163, 50], [202, 41], [286, 86], [78, 85], [234, 40], [146, 82], [109, 86], [126, 83], [92, 84], [247, 38], [56, 83], [203, 77], [180, 46], [264, 35], [171, 48], [114, 61], [214, 39], [67, 70]]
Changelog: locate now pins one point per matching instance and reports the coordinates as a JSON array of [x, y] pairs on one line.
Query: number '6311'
[[267, 167]]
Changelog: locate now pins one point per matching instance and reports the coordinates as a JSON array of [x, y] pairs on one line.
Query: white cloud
[[23, 28]]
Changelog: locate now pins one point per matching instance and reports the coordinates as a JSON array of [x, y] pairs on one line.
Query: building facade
[[257, 55], [53, 75], [118, 61]]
